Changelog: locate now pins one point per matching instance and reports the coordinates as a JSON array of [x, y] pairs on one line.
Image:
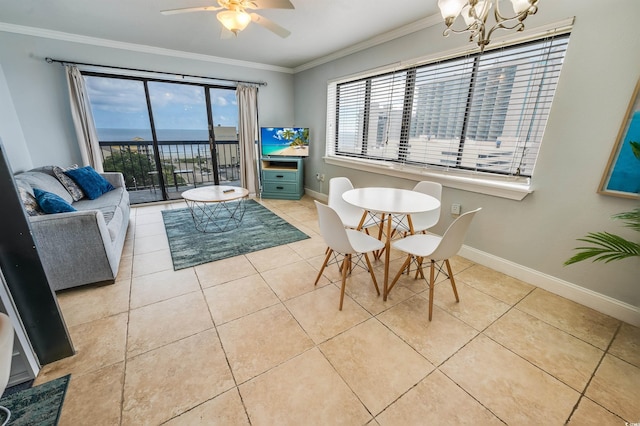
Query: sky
[[121, 103]]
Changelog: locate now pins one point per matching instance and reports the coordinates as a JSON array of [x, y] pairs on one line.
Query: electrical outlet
[[456, 208], [318, 177], [322, 178]]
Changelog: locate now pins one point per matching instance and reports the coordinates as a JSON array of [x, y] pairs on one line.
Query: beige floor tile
[[615, 386], [577, 320], [436, 340], [89, 303], [223, 410], [238, 298], [225, 270], [475, 307], [148, 263], [558, 353], [164, 322], [292, 280], [272, 333], [375, 363], [274, 257], [512, 388], [305, 390], [163, 285], [436, 400], [494, 283], [95, 398], [125, 268], [626, 345], [311, 247], [151, 243], [149, 229], [360, 288], [170, 380], [98, 344], [589, 413], [318, 314]]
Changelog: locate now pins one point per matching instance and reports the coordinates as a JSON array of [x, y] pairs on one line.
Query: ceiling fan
[[234, 17]]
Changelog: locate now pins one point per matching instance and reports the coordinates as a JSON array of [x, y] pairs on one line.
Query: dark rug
[[259, 229], [40, 405]]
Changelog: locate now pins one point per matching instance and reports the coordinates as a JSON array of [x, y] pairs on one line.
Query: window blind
[[483, 112]]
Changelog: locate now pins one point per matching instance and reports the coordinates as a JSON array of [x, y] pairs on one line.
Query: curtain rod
[[62, 62]]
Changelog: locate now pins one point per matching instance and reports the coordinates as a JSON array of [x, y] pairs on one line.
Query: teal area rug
[[259, 229], [39, 405]]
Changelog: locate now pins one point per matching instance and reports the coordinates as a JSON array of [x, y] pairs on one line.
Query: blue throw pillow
[[92, 183], [52, 203]]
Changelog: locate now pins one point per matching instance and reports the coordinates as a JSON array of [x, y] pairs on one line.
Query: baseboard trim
[[317, 195], [599, 302]]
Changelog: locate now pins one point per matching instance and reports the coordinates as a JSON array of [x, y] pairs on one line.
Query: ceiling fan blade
[[190, 9], [270, 25], [270, 4]]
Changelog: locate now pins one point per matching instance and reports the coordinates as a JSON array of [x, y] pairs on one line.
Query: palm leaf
[[605, 247], [635, 147], [631, 219]]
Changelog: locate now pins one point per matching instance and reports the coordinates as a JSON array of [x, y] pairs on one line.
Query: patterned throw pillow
[[74, 190], [92, 183], [51, 203], [30, 203]]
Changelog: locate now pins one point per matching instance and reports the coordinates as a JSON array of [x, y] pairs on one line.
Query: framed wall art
[[622, 174]]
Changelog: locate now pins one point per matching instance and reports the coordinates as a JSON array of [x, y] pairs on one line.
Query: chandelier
[[476, 12]]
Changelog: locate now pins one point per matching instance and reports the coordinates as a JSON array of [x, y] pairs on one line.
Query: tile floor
[[249, 340]]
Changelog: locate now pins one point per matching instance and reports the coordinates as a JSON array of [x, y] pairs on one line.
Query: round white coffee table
[[216, 208]]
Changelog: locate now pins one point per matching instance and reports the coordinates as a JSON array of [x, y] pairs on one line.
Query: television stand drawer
[[281, 175]]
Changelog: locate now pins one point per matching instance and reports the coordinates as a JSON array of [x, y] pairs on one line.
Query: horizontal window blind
[[484, 112]]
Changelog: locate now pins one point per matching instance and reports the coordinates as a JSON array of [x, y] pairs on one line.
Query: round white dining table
[[393, 204]]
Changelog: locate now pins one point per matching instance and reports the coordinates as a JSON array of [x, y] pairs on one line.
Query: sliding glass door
[[165, 137]]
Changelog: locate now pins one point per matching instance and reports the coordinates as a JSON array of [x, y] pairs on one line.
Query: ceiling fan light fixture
[[234, 20]]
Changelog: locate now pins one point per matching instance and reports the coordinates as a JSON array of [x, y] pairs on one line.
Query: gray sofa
[[81, 247]]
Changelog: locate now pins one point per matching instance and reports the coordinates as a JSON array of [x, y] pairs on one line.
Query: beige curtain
[[247, 136], [83, 119]]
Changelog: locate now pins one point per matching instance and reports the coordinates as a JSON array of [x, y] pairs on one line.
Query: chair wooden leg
[[373, 276], [345, 266], [324, 265], [400, 271], [431, 285], [453, 282], [419, 270]]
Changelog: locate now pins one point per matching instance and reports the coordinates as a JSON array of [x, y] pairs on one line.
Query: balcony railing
[[184, 165]]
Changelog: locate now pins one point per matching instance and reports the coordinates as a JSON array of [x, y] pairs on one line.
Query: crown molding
[[94, 41], [413, 27]]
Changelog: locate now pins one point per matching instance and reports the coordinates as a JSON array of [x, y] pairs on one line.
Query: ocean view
[[130, 135]]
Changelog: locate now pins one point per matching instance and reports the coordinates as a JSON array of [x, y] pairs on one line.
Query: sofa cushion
[[29, 201], [72, 188], [45, 182], [51, 203], [92, 184]]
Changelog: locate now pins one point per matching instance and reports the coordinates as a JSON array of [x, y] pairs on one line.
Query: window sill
[[505, 187]]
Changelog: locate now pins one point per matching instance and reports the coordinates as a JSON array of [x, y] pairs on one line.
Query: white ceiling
[[318, 27]]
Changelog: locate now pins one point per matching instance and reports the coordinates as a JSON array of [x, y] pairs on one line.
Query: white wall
[[38, 91], [539, 233], [10, 130]]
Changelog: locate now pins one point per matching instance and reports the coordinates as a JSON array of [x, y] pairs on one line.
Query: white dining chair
[[347, 243], [350, 215], [422, 221], [435, 249], [6, 354]]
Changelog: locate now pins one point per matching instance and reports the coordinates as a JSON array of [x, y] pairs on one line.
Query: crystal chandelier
[[476, 12]]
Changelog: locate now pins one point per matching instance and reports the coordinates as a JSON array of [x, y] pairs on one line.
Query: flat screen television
[[284, 141]]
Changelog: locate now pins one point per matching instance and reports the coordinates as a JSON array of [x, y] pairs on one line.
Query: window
[[484, 113]]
